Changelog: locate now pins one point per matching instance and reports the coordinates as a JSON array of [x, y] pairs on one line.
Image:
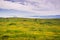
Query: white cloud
[[15, 6], [42, 7]]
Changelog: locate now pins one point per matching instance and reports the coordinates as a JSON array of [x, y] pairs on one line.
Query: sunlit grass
[[29, 29]]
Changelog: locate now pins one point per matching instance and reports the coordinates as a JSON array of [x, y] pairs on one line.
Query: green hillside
[[29, 29]]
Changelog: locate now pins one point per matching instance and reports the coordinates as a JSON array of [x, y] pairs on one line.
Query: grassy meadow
[[29, 29]]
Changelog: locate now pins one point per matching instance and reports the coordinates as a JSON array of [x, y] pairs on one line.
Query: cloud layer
[[40, 7]]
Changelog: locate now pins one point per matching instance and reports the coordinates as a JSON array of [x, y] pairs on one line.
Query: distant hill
[[42, 17], [50, 16]]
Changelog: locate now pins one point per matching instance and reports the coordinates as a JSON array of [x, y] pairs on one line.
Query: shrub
[[5, 37], [12, 24]]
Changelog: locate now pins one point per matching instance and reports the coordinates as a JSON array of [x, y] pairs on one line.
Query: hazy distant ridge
[[50, 16]]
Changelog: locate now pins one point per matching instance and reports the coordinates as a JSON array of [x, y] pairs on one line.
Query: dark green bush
[[12, 24], [5, 37]]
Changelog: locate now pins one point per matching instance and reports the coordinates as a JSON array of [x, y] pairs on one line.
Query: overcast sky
[[29, 7]]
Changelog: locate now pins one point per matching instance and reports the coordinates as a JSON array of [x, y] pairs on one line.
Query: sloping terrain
[[29, 29]]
